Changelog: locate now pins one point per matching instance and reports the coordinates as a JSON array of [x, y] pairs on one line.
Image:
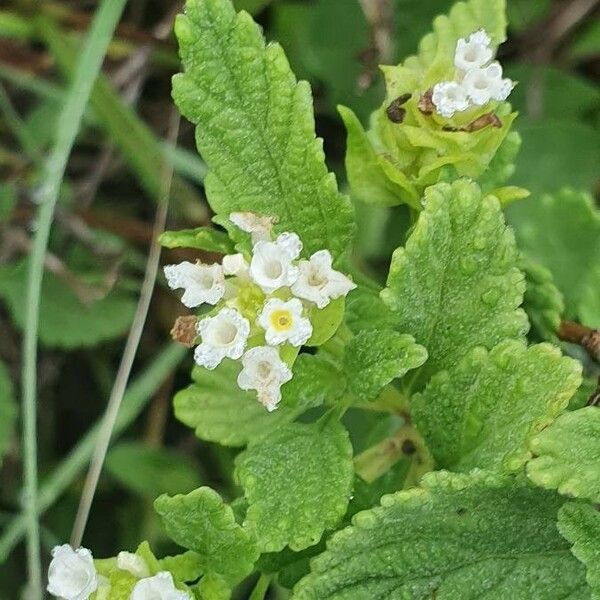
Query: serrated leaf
[[201, 238], [458, 536], [256, 128], [66, 321], [562, 232], [374, 358], [202, 522], [455, 284], [580, 524], [366, 310], [297, 481], [220, 411], [567, 455], [8, 409], [484, 411]]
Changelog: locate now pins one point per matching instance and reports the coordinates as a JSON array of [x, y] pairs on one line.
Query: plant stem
[[68, 123], [261, 588]]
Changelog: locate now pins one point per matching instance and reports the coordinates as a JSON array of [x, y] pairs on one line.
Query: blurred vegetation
[[104, 221]]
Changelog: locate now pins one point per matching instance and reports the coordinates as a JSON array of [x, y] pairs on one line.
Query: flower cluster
[[72, 575], [477, 81], [261, 304]]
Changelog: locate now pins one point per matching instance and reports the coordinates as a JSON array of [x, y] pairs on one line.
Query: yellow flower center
[[281, 320]]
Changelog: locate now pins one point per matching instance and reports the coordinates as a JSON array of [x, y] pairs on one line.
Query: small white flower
[[264, 372], [224, 335], [258, 226], [449, 97], [271, 266], [473, 52], [134, 564], [318, 282], [283, 322], [235, 264], [72, 574], [483, 85], [202, 283], [159, 587]]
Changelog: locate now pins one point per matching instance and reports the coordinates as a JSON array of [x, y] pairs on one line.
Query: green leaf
[[220, 411], [580, 524], [374, 358], [8, 409], [484, 411], [201, 238], [589, 305], [201, 522], [297, 481], [149, 471], [562, 232], [256, 128], [365, 310], [325, 321], [458, 536], [455, 284], [567, 455], [186, 567], [65, 321]]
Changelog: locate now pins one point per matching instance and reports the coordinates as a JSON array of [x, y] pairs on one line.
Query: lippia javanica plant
[[469, 474]]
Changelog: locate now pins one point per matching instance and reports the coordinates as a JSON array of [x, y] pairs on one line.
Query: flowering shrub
[[466, 493]]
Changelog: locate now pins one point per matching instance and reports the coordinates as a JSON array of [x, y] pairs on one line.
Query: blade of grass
[[135, 399], [86, 71]]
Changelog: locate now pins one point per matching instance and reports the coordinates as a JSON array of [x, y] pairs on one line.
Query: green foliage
[[567, 455], [201, 238], [455, 285], [366, 310], [256, 128], [8, 410], [297, 481], [484, 411], [201, 522], [580, 524], [374, 358], [457, 536]]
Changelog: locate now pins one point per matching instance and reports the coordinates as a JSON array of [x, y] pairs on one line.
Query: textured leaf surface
[[567, 455], [201, 522], [366, 310], [8, 409], [580, 524], [201, 238], [256, 127], [375, 358], [456, 285], [459, 536], [484, 411], [297, 482]]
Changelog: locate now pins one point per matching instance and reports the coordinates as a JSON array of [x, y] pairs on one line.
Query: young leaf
[[458, 536], [256, 128], [376, 357], [8, 410], [580, 524], [567, 455], [202, 522], [456, 285], [186, 567], [201, 238], [297, 481]]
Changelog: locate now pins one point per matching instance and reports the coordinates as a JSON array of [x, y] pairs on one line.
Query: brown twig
[[586, 337]]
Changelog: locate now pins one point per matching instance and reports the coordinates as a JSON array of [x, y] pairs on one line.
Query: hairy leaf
[[201, 522], [374, 358], [458, 536], [366, 310], [186, 567], [297, 481], [567, 455], [484, 411], [256, 128], [455, 284]]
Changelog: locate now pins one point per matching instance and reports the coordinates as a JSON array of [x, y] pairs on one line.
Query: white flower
[[318, 282], [202, 283], [283, 322], [258, 226], [72, 574], [483, 85], [264, 372], [271, 266], [449, 97], [159, 587], [473, 52], [235, 264], [224, 335], [134, 564]]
